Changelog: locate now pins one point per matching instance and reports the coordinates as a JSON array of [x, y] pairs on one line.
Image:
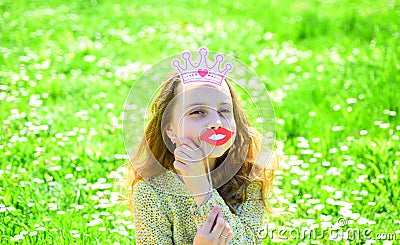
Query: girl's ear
[[169, 131]]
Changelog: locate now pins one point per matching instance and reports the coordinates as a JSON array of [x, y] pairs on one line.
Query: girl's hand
[[189, 157], [189, 161], [209, 234]]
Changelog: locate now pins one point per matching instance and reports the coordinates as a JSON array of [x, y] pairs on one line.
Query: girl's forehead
[[205, 87], [203, 94]]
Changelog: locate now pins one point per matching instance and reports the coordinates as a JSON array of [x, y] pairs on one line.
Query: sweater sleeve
[[246, 223], [152, 225]]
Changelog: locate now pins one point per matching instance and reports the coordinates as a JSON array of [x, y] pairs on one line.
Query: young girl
[[194, 178]]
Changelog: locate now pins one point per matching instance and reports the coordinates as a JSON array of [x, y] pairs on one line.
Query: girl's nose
[[216, 125], [215, 121]]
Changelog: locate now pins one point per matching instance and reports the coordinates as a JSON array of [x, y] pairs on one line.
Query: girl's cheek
[[192, 129], [231, 126]]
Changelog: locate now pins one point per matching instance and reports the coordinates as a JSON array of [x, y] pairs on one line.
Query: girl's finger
[[219, 226], [229, 237], [185, 141], [181, 156], [210, 219], [187, 155], [179, 165], [227, 231]]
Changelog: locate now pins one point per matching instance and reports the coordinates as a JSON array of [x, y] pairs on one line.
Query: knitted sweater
[[162, 217]]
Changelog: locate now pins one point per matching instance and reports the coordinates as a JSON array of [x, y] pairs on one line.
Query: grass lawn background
[[332, 69]]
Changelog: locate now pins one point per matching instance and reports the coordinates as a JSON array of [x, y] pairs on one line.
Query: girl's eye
[[225, 111], [200, 112], [196, 112]]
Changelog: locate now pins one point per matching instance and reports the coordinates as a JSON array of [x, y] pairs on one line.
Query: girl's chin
[[217, 152]]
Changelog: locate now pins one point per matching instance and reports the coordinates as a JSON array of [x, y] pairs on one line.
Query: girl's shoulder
[[163, 184]]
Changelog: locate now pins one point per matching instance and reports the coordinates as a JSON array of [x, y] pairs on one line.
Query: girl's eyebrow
[[202, 103]]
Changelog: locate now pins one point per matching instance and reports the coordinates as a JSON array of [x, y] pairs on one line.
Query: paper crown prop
[[201, 72]]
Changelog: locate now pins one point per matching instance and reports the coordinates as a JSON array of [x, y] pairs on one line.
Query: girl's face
[[203, 113]]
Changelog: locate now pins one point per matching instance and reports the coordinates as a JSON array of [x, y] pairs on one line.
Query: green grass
[[332, 69]]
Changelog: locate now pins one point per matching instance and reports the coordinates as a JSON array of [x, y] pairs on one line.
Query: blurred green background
[[332, 69]]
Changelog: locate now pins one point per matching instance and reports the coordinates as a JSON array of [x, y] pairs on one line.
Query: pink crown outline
[[201, 72]]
